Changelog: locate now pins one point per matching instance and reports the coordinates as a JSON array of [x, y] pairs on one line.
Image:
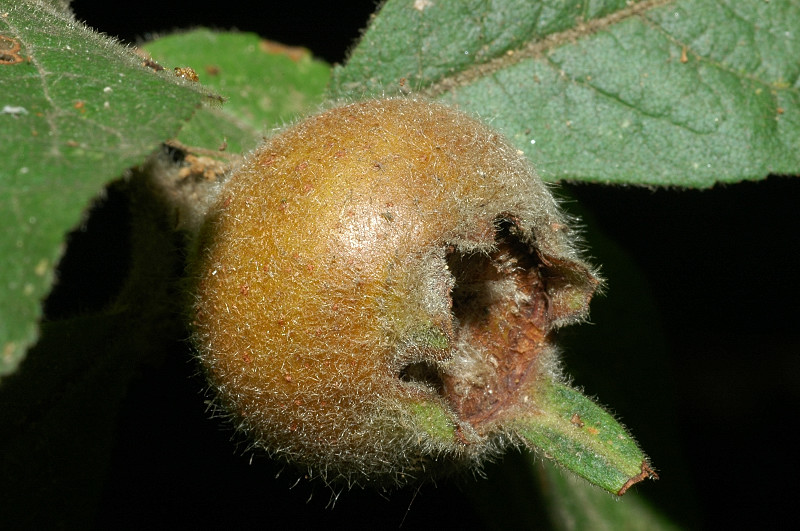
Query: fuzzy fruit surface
[[375, 288]]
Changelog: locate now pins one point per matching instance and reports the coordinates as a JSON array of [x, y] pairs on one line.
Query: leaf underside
[[668, 93]]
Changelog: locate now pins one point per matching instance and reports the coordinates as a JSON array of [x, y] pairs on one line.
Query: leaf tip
[[647, 472]]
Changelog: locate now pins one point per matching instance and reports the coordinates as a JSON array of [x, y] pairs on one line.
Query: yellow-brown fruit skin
[[321, 273]]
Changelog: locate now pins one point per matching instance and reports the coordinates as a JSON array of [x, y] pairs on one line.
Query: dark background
[[326, 28], [694, 346]]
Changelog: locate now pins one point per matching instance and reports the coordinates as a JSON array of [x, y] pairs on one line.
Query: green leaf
[[685, 93], [266, 84], [76, 110], [582, 437], [61, 5]]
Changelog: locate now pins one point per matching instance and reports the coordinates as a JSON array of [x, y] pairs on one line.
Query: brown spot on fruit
[[410, 308]]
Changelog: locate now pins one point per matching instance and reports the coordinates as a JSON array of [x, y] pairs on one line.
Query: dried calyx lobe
[[502, 313], [375, 289]]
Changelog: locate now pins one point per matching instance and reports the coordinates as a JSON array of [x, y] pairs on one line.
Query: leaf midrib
[[537, 48]]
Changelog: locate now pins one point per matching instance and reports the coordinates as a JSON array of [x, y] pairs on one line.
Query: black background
[[694, 346]]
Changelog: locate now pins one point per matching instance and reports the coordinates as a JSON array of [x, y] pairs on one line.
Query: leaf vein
[[536, 48], [31, 51], [710, 61]]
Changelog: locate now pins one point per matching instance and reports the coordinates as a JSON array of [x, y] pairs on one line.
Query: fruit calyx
[[499, 332]]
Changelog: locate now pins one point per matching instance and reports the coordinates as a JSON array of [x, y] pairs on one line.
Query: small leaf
[[582, 437], [76, 110], [658, 92], [266, 84]]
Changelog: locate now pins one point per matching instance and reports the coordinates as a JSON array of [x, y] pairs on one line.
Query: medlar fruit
[[375, 289]]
